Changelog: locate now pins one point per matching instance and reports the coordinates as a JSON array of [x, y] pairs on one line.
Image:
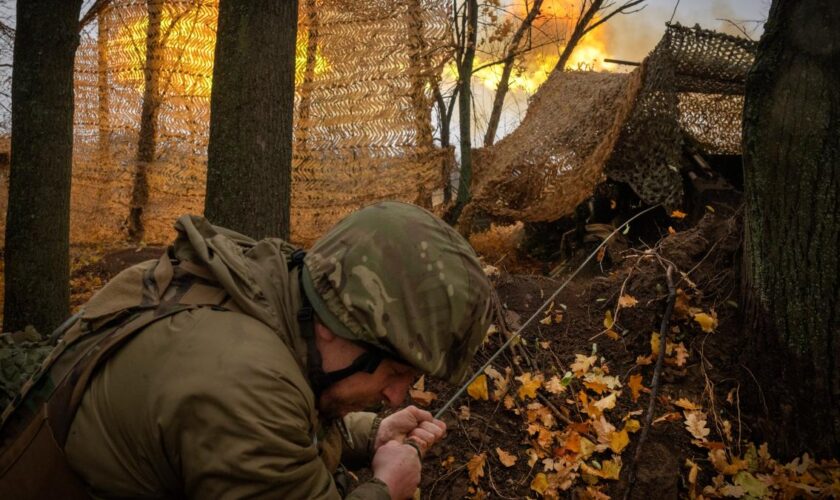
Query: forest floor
[[561, 414]]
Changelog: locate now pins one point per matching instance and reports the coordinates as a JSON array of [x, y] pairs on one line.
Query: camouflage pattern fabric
[[396, 276], [21, 354]]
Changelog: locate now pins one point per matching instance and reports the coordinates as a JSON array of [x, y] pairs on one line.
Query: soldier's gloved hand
[[398, 466], [410, 423]]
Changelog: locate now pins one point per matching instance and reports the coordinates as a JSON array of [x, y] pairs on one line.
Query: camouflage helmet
[[395, 276]]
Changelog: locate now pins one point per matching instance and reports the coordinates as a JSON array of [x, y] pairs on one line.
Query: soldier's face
[[387, 385]]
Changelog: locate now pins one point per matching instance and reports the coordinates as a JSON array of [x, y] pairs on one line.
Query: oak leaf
[[582, 363], [678, 214], [686, 404], [695, 422], [606, 403], [555, 385], [475, 467]]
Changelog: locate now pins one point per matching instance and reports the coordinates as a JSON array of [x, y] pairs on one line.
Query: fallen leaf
[[723, 465], [540, 483], [635, 384], [707, 322], [530, 384], [619, 440], [475, 467], [422, 398], [678, 214], [671, 416], [644, 360], [671, 230], [686, 404], [613, 334], [608, 320], [607, 403], [478, 388], [546, 320], [506, 458], [555, 385], [627, 301], [545, 344], [654, 344], [509, 402], [695, 422], [587, 447], [730, 490], [680, 355], [582, 363], [632, 425], [464, 412], [597, 387]]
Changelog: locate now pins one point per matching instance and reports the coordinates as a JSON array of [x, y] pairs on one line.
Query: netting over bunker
[[583, 126], [362, 111]]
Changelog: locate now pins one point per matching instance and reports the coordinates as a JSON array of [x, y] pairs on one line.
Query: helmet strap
[[366, 362]]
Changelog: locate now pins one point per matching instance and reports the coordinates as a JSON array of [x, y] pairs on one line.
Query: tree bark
[[252, 102], [38, 217], [792, 226], [464, 101], [147, 136], [504, 82]]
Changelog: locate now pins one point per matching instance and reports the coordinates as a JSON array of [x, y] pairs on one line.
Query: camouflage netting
[[582, 126], [362, 111]]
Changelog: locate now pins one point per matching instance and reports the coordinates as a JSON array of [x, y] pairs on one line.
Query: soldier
[[232, 368]]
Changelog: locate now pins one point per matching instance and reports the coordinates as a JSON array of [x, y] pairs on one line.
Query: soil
[[705, 257]]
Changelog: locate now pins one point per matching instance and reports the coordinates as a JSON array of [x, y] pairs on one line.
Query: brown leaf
[[422, 398], [540, 483], [627, 301], [475, 467], [507, 459], [635, 384], [695, 422]]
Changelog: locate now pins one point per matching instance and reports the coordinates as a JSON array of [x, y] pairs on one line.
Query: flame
[[187, 48], [559, 17]]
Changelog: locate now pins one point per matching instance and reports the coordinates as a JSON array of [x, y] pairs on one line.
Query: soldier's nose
[[395, 394]]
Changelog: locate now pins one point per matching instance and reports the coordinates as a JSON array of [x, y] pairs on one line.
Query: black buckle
[[305, 313], [297, 257]]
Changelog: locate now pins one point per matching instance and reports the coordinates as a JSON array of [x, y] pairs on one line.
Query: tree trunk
[[464, 101], [504, 82], [581, 28], [147, 136], [792, 226], [38, 217], [249, 160]]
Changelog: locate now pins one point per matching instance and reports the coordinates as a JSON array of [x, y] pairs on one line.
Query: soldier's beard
[[336, 404]]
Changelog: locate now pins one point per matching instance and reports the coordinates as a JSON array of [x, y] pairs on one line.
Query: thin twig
[[663, 331]]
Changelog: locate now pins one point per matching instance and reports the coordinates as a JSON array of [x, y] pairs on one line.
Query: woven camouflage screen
[[583, 125], [362, 118]]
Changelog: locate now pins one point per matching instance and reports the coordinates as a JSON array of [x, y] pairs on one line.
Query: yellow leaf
[[613, 335], [695, 422], [619, 440], [587, 447], [627, 301], [597, 387], [475, 467], [644, 360], [529, 386], [632, 425], [478, 388], [686, 404], [506, 458], [671, 230], [677, 214], [608, 320], [707, 322], [654, 344], [635, 385], [420, 385], [546, 320], [540, 483], [509, 402]]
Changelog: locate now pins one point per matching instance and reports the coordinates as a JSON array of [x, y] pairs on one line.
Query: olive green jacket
[[213, 402]]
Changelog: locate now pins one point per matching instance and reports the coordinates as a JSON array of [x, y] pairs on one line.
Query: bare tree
[[592, 14]]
